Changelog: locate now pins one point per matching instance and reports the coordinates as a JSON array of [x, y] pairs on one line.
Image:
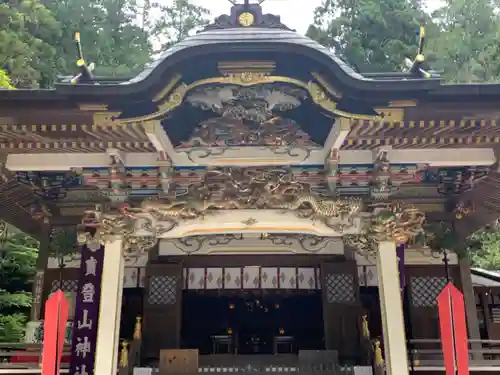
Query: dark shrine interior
[[252, 320]]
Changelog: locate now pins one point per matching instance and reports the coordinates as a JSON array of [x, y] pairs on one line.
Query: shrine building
[[252, 197]]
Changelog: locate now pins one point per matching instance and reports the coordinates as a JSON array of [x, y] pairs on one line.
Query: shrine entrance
[[252, 322]]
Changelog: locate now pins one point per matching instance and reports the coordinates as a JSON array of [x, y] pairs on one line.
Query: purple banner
[[87, 311], [400, 253]]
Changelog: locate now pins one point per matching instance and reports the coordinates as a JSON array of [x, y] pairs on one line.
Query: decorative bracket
[[388, 222], [117, 191], [382, 184], [331, 168]]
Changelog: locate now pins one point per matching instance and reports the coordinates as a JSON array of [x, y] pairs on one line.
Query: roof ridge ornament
[[419, 68], [247, 13], [85, 71]]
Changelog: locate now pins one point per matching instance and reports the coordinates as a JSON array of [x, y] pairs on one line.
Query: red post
[[56, 316], [453, 326]]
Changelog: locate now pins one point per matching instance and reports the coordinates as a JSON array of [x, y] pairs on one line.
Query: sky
[[296, 14]]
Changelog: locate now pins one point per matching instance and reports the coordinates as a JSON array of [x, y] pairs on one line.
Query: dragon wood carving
[[228, 189], [102, 228], [253, 188], [389, 222]]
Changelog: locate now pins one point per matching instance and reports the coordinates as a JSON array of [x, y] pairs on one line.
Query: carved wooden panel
[[426, 289], [162, 303], [341, 307], [424, 285]]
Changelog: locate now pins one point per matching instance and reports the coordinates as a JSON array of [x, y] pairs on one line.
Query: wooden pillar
[[470, 305], [41, 266], [341, 307], [488, 321], [108, 331], [391, 306]]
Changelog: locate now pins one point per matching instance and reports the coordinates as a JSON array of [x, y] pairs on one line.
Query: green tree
[[28, 32], [110, 32], [372, 35], [5, 80], [486, 253], [17, 266], [467, 47], [177, 21]]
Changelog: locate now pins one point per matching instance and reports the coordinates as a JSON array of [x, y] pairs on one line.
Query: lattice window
[[426, 289], [162, 290], [340, 288], [68, 286]]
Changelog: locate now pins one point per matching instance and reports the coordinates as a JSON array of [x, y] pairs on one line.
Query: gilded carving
[[252, 188], [323, 82], [101, 228], [168, 88], [389, 222], [247, 79], [219, 189], [396, 223], [236, 132]]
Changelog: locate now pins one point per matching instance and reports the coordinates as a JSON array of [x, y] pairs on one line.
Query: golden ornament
[[246, 19]]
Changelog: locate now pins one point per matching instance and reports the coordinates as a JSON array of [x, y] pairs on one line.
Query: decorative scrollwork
[[192, 244], [311, 244], [196, 153]]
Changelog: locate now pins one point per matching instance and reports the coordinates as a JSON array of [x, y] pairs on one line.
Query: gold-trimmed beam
[[359, 142], [246, 79]]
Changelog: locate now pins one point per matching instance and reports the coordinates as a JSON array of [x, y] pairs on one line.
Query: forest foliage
[[121, 36], [18, 254]]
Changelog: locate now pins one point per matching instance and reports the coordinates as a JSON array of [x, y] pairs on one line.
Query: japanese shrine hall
[[251, 193]]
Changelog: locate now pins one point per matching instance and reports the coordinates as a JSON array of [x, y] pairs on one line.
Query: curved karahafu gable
[[249, 31], [249, 100]]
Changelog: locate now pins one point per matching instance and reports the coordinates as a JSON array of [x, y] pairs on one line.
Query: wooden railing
[[26, 357], [482, 353]]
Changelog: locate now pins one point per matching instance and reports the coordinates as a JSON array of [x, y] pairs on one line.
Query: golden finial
[[379, 359], [416, 360], [366, 330], [124, 354], [138, 328]]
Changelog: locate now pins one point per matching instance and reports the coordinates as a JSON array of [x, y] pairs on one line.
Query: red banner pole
[[446, 326], [451, 306], [460, 331], [56, 316]]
